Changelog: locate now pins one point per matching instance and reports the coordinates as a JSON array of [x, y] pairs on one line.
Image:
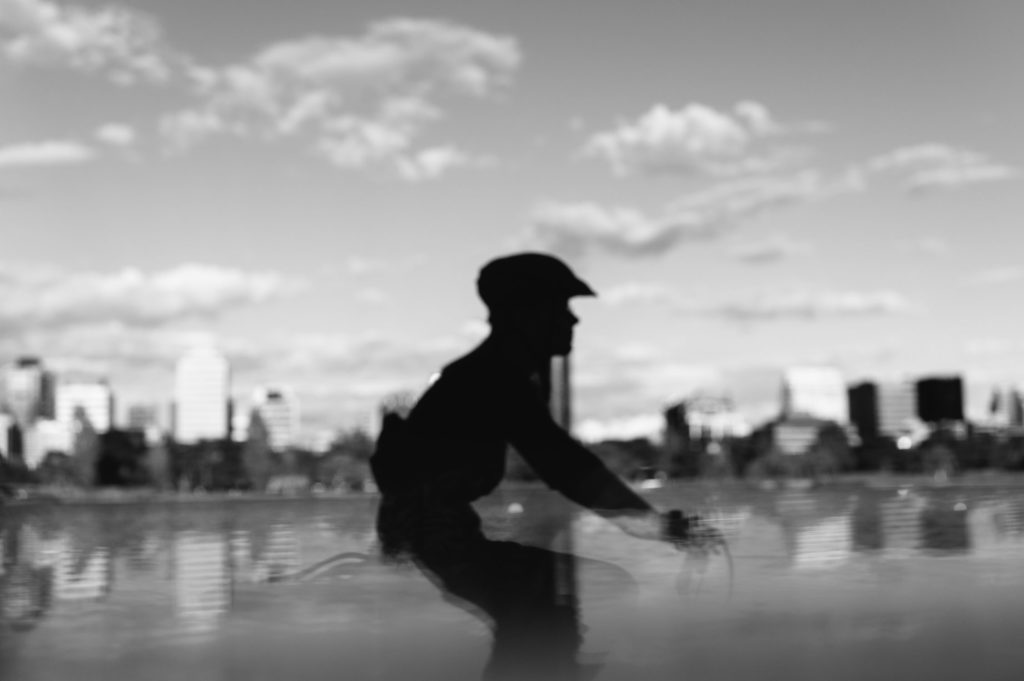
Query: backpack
[[389, 460]]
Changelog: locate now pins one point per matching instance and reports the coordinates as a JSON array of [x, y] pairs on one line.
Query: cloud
[[935, 166], [431, 163], [637, 292], [124, 45], [571, 229], [364, 101], [116, 134], [806, 305], [803, 306], [49, 299], [360, 265], [951, 177], [774, 249], [50, 153], [696, 139]]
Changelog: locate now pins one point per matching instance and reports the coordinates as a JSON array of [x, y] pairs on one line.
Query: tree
[[85, 448], [158, 464], [350, 456], [257, 456]]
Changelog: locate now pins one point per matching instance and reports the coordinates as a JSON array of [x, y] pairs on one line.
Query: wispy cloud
[[698, 139], [116, 134], [786, 305], [49, 153], [804, 306], [34, 299], [771, 250], [362, 101], [572, 228], [935, 166], [124, 45]]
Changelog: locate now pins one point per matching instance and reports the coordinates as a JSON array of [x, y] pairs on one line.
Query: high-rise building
[[1016, 408], [201, 394], [897, 408], [27, 396], [26, 391], [279, 410], [863, 400], [95, 398], [818, 392], [143, 417], [940, 399]]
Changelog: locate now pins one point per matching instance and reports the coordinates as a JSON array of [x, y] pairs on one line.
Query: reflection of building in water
[[77, 578], [817, 531], [25, 586], [900, 524], [76, 575], [202, 580], [944, 526], [824, 544], [280, 556]]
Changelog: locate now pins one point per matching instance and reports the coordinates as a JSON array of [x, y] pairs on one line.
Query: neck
[[518, 353]]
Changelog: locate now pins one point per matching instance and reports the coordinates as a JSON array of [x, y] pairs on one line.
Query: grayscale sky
[[314, 184]]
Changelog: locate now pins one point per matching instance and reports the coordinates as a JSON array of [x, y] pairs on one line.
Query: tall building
[[143, 417], [279, 410], [897, 408], [940, 399], [27, 391], [863, 400], [27, 396], [818, 392], [202, 384], [95, 398]]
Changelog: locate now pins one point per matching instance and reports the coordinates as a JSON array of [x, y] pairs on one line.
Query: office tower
[[201, 388], [819, 392], [26, 391], [94, 398], [1016, 408], [6, 423], [143, 417], [279, 410], [897, 408], [863, 400], [26, 394], [940, 399]]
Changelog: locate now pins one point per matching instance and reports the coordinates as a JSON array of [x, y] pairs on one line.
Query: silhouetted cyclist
[[450, 451]]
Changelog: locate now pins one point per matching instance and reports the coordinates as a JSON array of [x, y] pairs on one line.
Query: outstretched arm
[[570, 468]]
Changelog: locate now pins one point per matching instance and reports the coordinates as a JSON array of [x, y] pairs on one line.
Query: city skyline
[[316, 187]]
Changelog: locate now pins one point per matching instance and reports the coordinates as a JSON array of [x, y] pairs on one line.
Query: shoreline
[[50, 496]]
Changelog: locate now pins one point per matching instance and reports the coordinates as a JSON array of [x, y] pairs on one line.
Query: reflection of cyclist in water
[[451, 449]]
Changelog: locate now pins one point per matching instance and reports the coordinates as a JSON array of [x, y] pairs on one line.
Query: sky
[[314, 185]]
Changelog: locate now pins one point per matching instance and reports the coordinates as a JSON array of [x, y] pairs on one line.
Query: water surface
[[836, 583]]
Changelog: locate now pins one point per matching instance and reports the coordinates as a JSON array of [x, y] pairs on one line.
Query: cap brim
[[581, 288]]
